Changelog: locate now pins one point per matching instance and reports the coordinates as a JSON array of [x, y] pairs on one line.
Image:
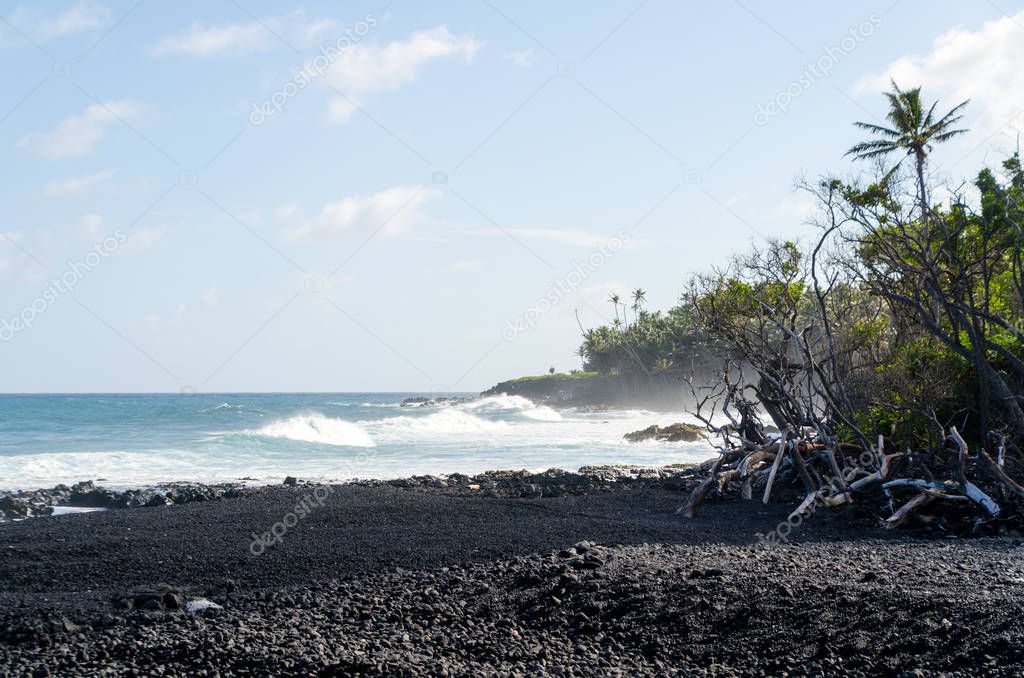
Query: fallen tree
[[947, 489]]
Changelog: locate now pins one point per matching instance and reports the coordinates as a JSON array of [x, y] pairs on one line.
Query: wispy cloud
[[91, 224], [523, 59], [78, 134], [143, 239], [465, 266], [392, 211], [77, 185], [164, 322], [82, 17], [210, 296], [201, 40], [564, 236], [41, 27], [367, 69]]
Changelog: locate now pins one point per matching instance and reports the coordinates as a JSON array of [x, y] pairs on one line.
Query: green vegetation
[[575, 374], [902, 317], [649, 342]]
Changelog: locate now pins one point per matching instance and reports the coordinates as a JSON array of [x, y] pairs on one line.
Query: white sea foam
[[501, 402], [513, 403], [542, 413], [317, 428], [449, 420]]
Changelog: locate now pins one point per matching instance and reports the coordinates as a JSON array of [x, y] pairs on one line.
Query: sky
[[383, 196]]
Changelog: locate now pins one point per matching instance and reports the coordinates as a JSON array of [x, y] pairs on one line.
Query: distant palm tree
[[639, 299], [913, 132], [615, 299]]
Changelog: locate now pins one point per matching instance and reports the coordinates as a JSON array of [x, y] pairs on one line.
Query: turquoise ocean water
[[141, 439]]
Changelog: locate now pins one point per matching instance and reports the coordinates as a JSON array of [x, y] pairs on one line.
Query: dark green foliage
[[651, 341]]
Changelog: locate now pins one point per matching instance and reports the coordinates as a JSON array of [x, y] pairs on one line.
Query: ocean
[[135, 440]]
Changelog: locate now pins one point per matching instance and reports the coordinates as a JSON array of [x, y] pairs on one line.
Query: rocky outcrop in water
[[662, 391], [673, 433], [420, 401]]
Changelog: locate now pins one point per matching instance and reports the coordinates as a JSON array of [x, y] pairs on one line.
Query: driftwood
[[804, 462], [834, 474], [1002, 475], [969, 489], [905, 511], [775, 468], [692, 506]]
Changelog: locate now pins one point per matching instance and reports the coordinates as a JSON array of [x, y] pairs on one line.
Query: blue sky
[[438, 176]]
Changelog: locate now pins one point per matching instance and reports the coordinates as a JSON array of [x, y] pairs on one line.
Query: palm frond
[[913, 103], [868, 153], [927, 122], [878, 129], [946, 136], [889, 175], [875, 146], [897, 114], [948, 118]]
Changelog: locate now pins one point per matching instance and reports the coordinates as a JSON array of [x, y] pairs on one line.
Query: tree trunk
[[919, 156]]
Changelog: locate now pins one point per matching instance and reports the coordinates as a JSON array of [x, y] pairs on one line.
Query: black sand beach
[[390, 581]]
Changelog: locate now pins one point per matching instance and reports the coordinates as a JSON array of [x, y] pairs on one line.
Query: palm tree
[[615, 299], [913, 132], [639, 299]]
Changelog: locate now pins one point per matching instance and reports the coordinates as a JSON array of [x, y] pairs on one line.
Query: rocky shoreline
[[86, 494], [551, 483], [597, 576]]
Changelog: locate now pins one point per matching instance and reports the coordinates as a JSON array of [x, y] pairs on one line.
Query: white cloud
[[796, 206], [984, 65], [78, 134], [91, 223], [287, 211], [77, 185], [200, 40], [158, 322], [340, 110], [210, 296], [367, 69], [564, 236], [737, 198], [142, 239], [81, 17], [392, 211], [465, 266], [523, 59], [318, 29]]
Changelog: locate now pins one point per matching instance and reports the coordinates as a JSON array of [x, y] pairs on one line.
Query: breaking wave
[[317, 428]]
